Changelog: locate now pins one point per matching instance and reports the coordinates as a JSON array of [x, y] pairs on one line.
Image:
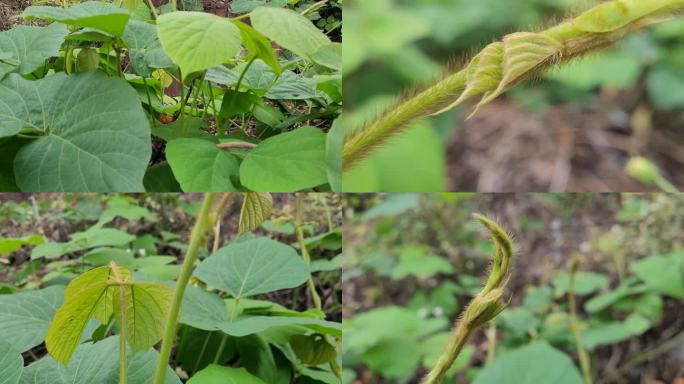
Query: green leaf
[[96, 293], [254, 266], [313, 349], [10, 245], [290, 30], [415, 261], [329, 55], [396, 358], [11, 363], [96, 363], [197, 41], [25, 316], [259, 46], [287, 162], [611, 69], [8, 150], [160, 178], [333, 151], [28, 47], [666, 87], [94, 133], [145, 50], [291, 86], [200, 166], [92, 238], [255, 209], [585, 283], [186, 128], [532, 364], [664, 274], [93, 14], [216, 374]]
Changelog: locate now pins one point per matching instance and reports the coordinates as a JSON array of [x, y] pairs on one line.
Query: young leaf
[[253, 266], [25, 317], [255, 209], [286, 163], [290, 30], [92, 14], [197, 41], [30, 47], [216, 374], [11, 363], [94, 135], [96, 294], [259, 46], [200, 166]]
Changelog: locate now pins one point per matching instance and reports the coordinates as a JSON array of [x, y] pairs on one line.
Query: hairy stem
[[199, 233], [482, 308], [500, 65]]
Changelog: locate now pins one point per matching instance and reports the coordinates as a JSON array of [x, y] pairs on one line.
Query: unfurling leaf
[[255, 209], [98, 294]]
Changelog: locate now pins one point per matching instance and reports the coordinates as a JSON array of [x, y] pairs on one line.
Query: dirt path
[[8, 10]]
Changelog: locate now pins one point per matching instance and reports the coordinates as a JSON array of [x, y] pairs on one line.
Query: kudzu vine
[[482, 308], [500, 65]]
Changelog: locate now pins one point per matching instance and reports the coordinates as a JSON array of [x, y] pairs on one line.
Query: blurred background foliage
[[413, 261], [635, 87]]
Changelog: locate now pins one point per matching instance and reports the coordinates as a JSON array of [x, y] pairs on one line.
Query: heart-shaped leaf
[[96, 363], [200, 166], [287, 162], [106, 17], [28, 47], [93, 133], [197, 41], [255, 209], [25, 317], [253, 266], [145, 50], [522, 366], [290, 30]]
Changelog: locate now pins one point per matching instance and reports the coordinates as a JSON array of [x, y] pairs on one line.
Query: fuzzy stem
[[202, 226], [501, 65], [482, 308]]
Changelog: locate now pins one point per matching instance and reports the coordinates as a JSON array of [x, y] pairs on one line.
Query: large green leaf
[[290, 30], [287, 162], [92, 295], [255, 209], [11, 363], [531, 364], [91, 238], [92, 14], [28, 47], [216, 374], [25, 316], [196, 40], [200, 166], [145, 50], [205, 310], [96, 363], [664, 274], [253, 266], [93, 133], [11, 244]]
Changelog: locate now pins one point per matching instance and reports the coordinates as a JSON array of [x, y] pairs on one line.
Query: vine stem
[[503, 64], [575, 327], [305, 254], [458, 339], [198, 237]]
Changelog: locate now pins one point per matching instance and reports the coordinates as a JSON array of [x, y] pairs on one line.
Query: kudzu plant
[[484, 307], [82, 97], [501, 65], [208, 315]]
